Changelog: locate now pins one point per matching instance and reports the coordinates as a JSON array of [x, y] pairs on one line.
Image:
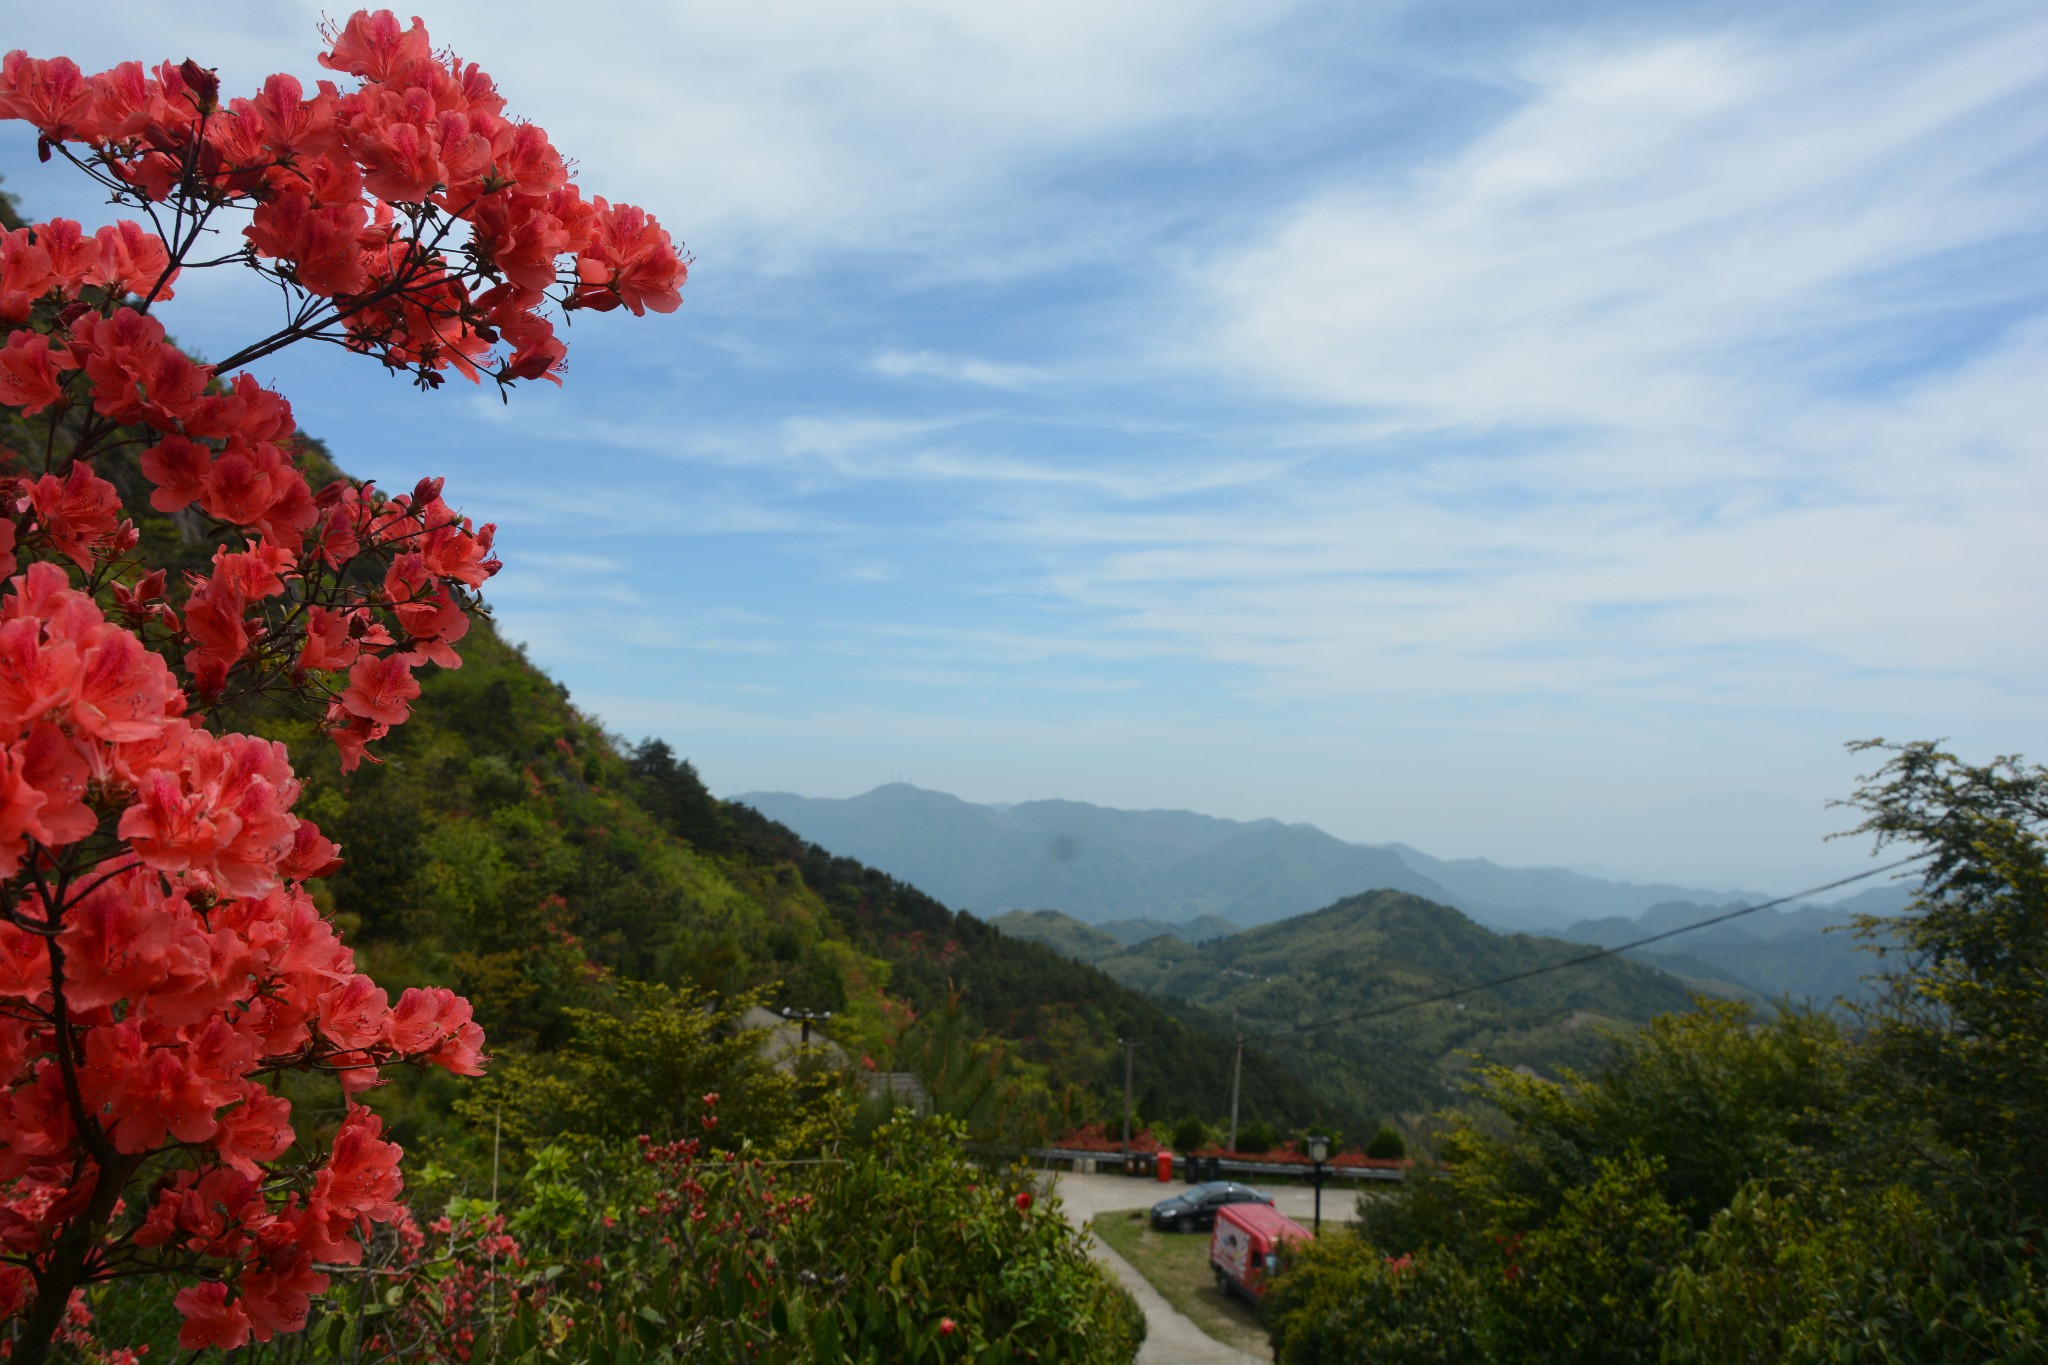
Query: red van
[[1247, 1246]]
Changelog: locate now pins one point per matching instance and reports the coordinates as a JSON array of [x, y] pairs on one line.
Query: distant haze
[[1099, 864]]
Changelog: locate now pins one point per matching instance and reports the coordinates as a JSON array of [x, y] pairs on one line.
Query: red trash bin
[[1165, 1167]]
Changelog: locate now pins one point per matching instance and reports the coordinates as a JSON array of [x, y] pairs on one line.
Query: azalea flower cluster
[[443, 1286], [161, 960], [682, 1203], [409, 217], [726, 1216]]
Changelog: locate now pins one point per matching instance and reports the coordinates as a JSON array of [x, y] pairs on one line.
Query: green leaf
[[521, 1336], [337, 1328]]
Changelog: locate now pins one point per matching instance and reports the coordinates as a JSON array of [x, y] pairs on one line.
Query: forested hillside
[[1069, 937], [508, 847], [1381, 950]]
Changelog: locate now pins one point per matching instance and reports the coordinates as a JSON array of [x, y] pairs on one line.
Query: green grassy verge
[[1177, 1265]]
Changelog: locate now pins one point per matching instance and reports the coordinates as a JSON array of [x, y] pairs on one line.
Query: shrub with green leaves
[[1256, 1137], [902, 1250], [1342, 1301], [1387, 1144]]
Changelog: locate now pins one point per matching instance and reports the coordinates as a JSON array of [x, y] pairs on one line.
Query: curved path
[[1170, 1337]]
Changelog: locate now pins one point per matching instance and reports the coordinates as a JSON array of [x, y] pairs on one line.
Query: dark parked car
[[1196, 1206]]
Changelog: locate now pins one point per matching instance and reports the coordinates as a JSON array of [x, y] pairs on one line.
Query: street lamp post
[[806, 1018], [1318, 1150]]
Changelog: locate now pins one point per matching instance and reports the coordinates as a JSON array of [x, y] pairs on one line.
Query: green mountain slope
[[1062, 933], [1383, 949], [508, 847], [1069, 937]]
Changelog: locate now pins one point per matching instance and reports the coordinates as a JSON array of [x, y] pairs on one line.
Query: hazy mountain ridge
[[1802, 952], [1550, 891], [1099, 864]]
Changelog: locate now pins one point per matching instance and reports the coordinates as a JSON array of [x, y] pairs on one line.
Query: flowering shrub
[[893, 1249], [161, 961], [1106, 1137], [899, 1250]]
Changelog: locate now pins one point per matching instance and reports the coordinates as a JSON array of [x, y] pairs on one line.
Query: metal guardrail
[[1142, 1165]]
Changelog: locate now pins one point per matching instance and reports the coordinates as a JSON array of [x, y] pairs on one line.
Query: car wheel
[[1222, 1281]]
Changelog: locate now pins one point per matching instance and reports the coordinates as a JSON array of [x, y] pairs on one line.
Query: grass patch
[[1177, 1265]]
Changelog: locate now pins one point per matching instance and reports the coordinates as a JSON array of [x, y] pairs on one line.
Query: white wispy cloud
[[1660, 236], [959, 369], [1638, 314]]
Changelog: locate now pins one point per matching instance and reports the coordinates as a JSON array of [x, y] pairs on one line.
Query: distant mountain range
[[1101, 865], [1802, 953]]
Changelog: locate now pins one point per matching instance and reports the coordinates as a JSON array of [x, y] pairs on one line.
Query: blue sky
[[1545, 432]]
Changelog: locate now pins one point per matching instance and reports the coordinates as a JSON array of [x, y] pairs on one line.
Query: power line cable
[[1280, 1103], [1442, 996]]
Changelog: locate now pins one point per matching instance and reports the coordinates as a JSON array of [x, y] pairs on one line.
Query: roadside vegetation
[[1725, 1188]]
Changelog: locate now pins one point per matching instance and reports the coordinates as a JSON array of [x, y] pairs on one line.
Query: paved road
[[1087, 1195], [1170, 1337]]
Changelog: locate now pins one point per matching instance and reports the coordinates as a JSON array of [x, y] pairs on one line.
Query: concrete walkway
[[1170, 1337]]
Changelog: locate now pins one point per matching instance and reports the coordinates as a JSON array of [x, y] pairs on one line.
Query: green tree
[[1711, 1098], [1877, 1275], [1582, 1288], [1959, 1044], [645, 1067]]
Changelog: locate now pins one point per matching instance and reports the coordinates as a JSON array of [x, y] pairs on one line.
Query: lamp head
[[1318, 1148]]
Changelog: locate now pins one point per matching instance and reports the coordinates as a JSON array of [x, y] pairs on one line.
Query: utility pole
[[1236, 1070], [1130, 1046]]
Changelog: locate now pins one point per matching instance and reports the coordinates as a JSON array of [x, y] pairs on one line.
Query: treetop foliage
[[1723, 1189]]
